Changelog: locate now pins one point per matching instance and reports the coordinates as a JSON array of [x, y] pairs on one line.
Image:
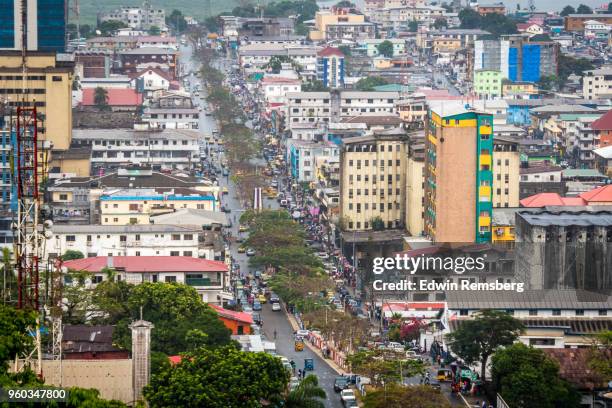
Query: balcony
[[484, 221], [201, 282], [485, 160], [486, 130], [484, 191]]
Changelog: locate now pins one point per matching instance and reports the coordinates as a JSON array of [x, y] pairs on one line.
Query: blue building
[[330, 67], [45, 25]]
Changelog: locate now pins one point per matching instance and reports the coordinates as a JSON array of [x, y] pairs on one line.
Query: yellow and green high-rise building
[[458, 173]]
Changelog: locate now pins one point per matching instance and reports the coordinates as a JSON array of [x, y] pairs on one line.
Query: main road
[[272, 321]]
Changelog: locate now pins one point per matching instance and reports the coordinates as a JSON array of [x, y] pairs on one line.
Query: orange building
[[496, 8], [575, 22], [603, 127], [237, 322]]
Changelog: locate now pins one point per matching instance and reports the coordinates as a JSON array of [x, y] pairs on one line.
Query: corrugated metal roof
[[579, 216], [147, 264], [529, 299]]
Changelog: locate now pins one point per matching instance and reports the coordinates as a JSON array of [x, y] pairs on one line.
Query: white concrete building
[[275, 90], [597, 83], [302, 157], [169, 118], [128, 240]]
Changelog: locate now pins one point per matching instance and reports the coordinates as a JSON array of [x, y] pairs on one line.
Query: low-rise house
[[209, 278], [238, 322], [603, 160], [541, 179], [151, 79], [118, 99]]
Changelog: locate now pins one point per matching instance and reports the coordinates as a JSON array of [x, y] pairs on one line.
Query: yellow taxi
[[262, 299]]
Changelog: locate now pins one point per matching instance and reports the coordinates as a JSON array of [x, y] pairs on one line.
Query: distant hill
[[194, 8]]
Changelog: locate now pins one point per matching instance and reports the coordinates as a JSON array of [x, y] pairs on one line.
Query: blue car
[[256, 306]]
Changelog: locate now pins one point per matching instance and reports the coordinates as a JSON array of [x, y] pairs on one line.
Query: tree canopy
[[385, 48], [222, 378], [584, 9], [398, 396], [440, 23], [368, 83], [71, 254], [521, 372], [413, 26], [496, 24], [108, 28], [384, 366], [601, 354], [567, 10], [307, 394], [177, 21], [477, 339]]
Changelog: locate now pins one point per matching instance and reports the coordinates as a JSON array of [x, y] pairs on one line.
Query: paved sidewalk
[[315, 350]]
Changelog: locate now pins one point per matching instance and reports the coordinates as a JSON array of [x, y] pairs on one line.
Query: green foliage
[[346, 50], [220, 378], [398, 396], [176, 20], [378, 224], [7, 275], [368, 83], [610, 7], [413, 26], [384, 366], [440, 23], [307, 395], [477, 339], [14, 339], [600, 359], [385, 48], [569, 65], [77, 298], [521, 372], [275, 63], [314, 86], [345, 4], [71, 254], [584, 9], [212, 25], [175, 310], [154, 30], [496, 24], [108, 28], [101, 98], [548, 83], [567, 10], [301, 29], [304, 9]]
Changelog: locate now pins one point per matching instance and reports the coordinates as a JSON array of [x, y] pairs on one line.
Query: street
[[272, 321]]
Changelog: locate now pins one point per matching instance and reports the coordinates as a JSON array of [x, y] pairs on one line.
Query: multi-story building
[[330, 67], [415, 186], [127, 240], [399, 46], [209, 278], [171, 110], [603, 127], [555, 248], [45, 25], [575, 22], [518, 58], [137, 59], [329, 25], [458, 174], [137, 18], [488, 84], [302, 157], [316, 107], [257, 27], [597, 83], [506, 177], [257, 56], [136, 206], [467, 37], [492, 8], [519, 89], [373, 181], [275, 89], [127, 42], [413, 110], [114, 148]]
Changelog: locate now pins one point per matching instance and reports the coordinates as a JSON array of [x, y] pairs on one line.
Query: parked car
[[276, 307], [341, 383], [250, 252], [346, 396]]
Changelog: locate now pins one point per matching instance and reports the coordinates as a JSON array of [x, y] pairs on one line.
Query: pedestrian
[[274, 334], [300, 373]]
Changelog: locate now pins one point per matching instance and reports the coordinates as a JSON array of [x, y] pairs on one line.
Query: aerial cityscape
[[304, 204]]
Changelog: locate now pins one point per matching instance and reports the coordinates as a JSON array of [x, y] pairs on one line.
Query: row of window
[[366, 225], [398, 162], [366, 178], [146, 142], [366, 207], [534, 312], [366, 192]]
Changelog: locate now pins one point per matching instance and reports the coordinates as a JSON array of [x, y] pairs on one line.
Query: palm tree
[[307, 395], [101, 98]]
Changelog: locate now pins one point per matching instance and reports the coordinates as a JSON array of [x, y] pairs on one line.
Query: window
[[122, 238], [133, 207], [137, 237], [63, 197], [602, 312], [70, 238], [188, 237], [533, 312], [175, 253], [132, 220], [579, 312], [176, 237], [89, 238], [541, 342], [137, 253], [556, 312], [170, 279], [187, 253], [463, 312], [96, 279]]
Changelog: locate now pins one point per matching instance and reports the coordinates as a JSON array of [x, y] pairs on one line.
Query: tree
[[470, 18], [568, 65], [549, 82], [600, 359], [175, 310], [477, 339], [378, 224], [368, 83], [399, 396], [76, 300], [345, 49], [567, 10], [385, 48], [9, 286], [384, 366], [610, 7], [345, 4], [176, 20], [220, 378], [212, 25], [71, 254], [101, 98], [314, 86], [521, 372], [154, 30], [108, 27], [440, 23], [584, 9], [308, 394], [413, 26]]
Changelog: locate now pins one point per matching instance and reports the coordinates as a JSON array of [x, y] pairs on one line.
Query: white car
[[347, 395], [276, 307], [302, 333], [250, 252]]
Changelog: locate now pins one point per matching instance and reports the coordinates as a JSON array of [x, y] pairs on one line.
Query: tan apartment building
[[415, 187], [597, 83], [334, 16], [48, 86], [413, 109], [458, 174], [506, 172], [372, 181]]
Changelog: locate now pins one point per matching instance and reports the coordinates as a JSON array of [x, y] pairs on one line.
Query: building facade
[[458, 175], [45, 25], [137, 18], [597, 83], [506, 168], [372, 182], [488, 84], [330, 67]]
